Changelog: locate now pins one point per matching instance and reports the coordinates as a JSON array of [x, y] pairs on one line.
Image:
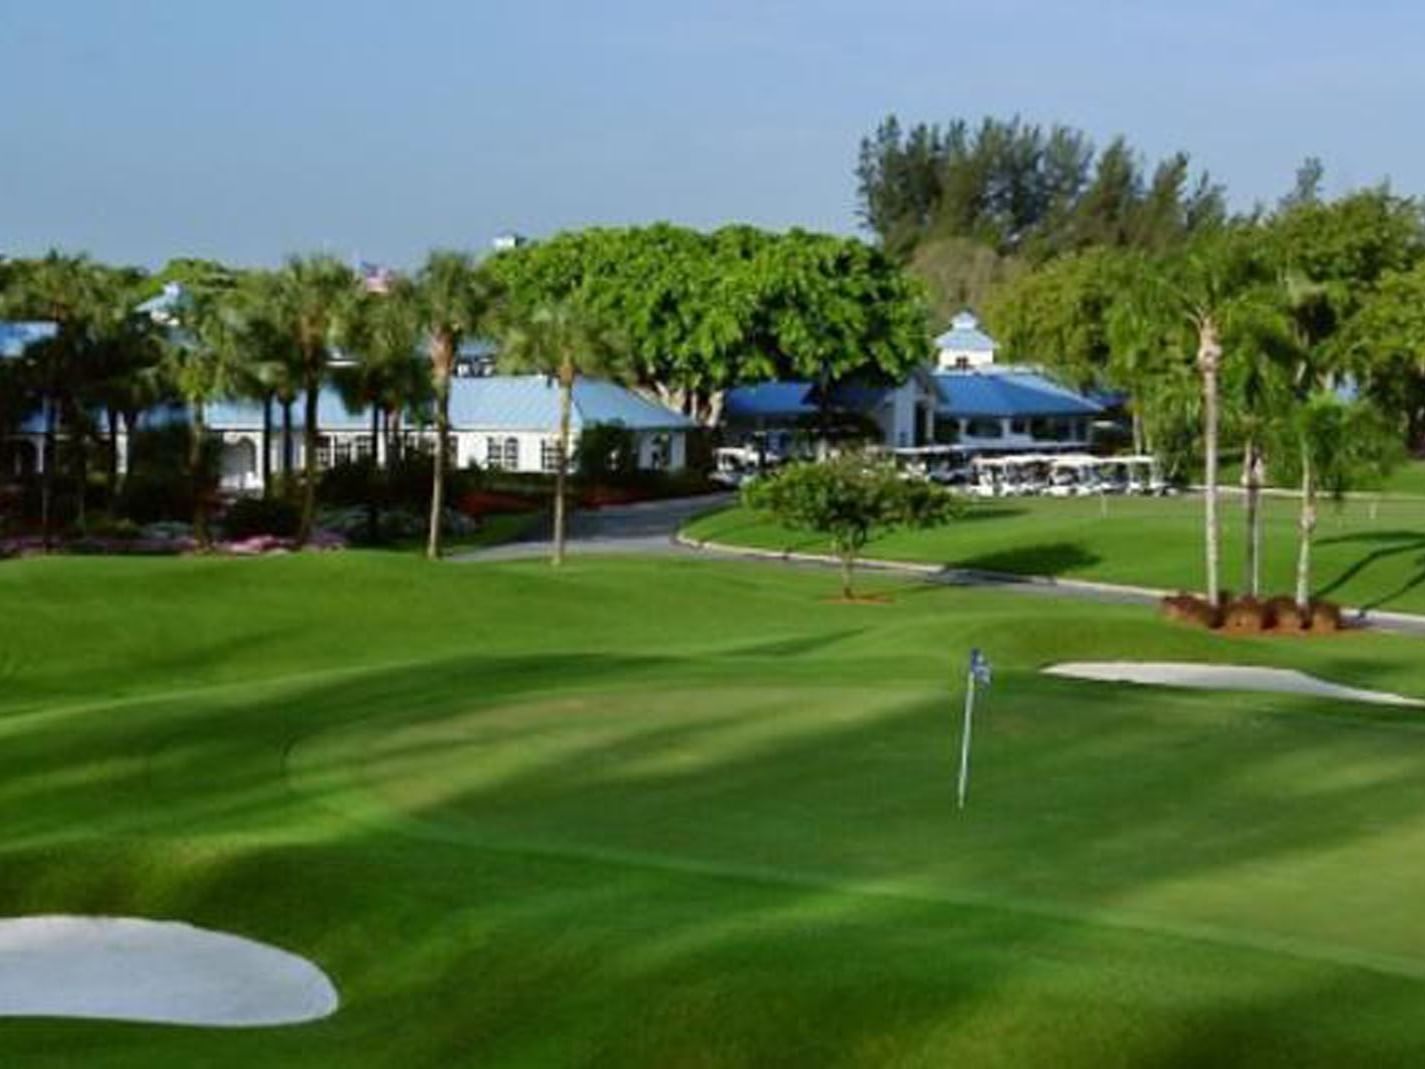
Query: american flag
[[374, 277]]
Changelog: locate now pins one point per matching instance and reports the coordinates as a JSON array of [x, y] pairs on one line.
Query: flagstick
[[965, 737]]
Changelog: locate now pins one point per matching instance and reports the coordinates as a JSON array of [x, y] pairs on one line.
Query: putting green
[[708, 781]]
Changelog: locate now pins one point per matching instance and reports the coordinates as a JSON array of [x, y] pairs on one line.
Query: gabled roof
[[493, 402], [966, 336], [769, 400], [15, 336], [165, 306], [531, 403], [1007, 392]]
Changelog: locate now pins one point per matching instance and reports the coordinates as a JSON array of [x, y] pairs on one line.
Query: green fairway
[[1369, 552], [680, 813]]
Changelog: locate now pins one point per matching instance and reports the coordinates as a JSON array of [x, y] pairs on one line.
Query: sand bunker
[[1222, 677], [126, 969]]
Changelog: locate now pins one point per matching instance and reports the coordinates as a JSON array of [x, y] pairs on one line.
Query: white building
[[965, 400], [497, 422], [964, 346]]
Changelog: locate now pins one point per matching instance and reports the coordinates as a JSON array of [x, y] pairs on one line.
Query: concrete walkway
[[652, 528]]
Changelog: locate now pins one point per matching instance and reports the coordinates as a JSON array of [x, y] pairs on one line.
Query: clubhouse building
[[966, 401]]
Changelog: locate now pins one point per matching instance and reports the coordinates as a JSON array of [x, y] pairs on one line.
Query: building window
[[494, 453], [660, 452], [363, 451], [984, 428], [341, 451], [512, 454], [324, 451], [549, 454], [962, 363], [1018, 426]]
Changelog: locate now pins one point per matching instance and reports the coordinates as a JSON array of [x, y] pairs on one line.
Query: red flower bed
[[487, 503]]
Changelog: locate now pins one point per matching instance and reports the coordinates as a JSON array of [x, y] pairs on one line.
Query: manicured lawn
[[677, 813], [1368, 552]]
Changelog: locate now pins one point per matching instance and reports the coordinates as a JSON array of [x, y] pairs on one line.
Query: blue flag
[[980, 667]]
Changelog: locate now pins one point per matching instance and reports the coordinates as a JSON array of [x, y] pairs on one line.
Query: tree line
[[969, 206], [1292, 335], [679, 314]]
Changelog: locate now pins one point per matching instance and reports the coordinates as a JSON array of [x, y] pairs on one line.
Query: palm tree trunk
[[373, 506], [79, 445], [131, 428], [561, 475], [51, 438], [112, 474], [437, 486], [287, 447], [1209, 354], [1252, 500], [1137, 428], [848, 564], [1306, 526], [195, 473], [442, 361], [309, 461], [266, 445]]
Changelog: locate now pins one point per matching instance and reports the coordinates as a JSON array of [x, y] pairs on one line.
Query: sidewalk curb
[[1380, 620]]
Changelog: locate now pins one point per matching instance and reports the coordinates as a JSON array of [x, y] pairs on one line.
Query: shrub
[[1247, 615], [1288, 614], [1325, 617], [251, 516], [605, 452], [1190, 609]]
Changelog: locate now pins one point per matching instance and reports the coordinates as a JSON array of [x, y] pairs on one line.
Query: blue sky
[[143, 129]]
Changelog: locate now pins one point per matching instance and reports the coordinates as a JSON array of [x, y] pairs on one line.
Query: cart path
[[653, 529]]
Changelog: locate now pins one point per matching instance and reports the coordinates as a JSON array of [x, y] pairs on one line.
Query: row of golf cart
[[1021, 475], [1066, 475]]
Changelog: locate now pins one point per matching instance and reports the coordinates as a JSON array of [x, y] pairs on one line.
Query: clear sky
[[247, 129]]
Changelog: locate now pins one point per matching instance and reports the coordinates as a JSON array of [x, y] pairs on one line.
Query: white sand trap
[[163, 972], [1222, 677]]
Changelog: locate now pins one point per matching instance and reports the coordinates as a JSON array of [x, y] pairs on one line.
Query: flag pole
[[965, 737]]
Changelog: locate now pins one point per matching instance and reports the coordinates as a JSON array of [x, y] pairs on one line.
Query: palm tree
[[561, 339], [457, 300], [1308, 311], [1207, 283], [385, 335], [203, 361], [308, 300], [63, 289]]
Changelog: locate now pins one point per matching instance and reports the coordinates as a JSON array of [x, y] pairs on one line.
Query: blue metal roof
[[493, 402], [16, 336], [531, 403], [965, 335], [769, 400], [245, 415], [1007, 393]]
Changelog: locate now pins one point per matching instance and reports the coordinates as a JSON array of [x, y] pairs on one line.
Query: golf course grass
[[683, 813], [1368, 552]]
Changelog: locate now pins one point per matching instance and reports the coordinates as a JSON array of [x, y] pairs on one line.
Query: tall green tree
[[63, 289], [308, 301], [457, 299], [205, 360], [385, 337], [1209, 284], [563, 340], [1328, 257]]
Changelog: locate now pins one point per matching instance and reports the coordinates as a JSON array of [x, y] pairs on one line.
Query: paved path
[[647, 528], [652, 528]]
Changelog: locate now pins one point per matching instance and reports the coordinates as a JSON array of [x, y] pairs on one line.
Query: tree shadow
[[1400, 544], [1050, 558]]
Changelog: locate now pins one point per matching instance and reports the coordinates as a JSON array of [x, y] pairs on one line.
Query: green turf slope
[[676, 813], [1369, 553]]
